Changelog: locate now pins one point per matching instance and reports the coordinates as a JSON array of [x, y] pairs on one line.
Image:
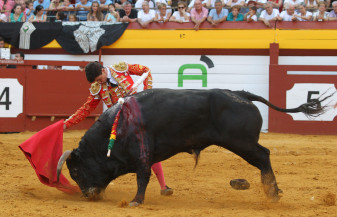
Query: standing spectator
[[17, 14], [7, 5], [29, 10], [181, 15], [146, 15], [95, 13], [112, 16], [251, 15], [217, 15], [311, 4], [2, 42], [234, 15], [119, 3], [296, 3], [3, 17], [276, 4], [104, 5], [162, 15], [72, 18], [211, 3], [269, 14], [139, 4], [128, 14], [289, 13], [83, 6], [333, 14], [38, 15], [303, 14], [191, 5], [198, 14], [321, 14], [232, 3], [43, 3], [67, 8], [19, 56]]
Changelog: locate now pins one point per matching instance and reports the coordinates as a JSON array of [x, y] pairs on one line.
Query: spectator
[[333, 14], [303, 14], [95, 13], [217, 15], [104, 5], [269, 14], [67, 8], [321, 14], [276, 4], [191, 5], [19, 56], [119, 3], [198, 14], [38, 15], [296, 3], [2, 42], [168, 3], [112, 16], [7, 6], [146, 15], [83, 6], [181, 15], [232, 3], [234, 15], [139, 4], [3, 17], [54, 5], [128, 14], [17, 14], [72, 18], [60, 16], [289, 13], [251, 15], [23, 7], [162, 15], [311, 4], [211, 3], [29, 10], [43, 3]]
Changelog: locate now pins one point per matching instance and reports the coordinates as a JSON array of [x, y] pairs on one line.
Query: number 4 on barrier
[[4, 98]]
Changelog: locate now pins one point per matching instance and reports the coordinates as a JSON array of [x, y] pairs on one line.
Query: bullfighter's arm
[[137, 69], [83, 111]]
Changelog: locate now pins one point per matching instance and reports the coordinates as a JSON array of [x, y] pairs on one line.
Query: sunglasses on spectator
[[181, 7]]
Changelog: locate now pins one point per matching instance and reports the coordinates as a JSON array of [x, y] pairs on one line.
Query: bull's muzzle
[[93, 194]]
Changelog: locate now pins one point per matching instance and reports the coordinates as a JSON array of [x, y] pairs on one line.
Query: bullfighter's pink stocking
[[158, 170]]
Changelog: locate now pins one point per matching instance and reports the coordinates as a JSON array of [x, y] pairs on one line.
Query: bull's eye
[[75, 172]]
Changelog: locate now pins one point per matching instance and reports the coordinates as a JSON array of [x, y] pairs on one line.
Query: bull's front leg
[[143, 177]]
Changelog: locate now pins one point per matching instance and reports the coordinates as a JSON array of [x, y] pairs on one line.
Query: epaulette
[[95, 88]]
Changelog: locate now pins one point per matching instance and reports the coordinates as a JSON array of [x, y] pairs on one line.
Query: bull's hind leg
[[258, 156]]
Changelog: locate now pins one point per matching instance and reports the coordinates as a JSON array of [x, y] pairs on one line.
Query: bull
[[157, 124]]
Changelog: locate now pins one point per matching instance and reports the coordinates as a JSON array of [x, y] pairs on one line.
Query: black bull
[[157, 124]]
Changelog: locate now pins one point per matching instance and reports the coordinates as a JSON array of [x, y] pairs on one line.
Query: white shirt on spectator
[[292, 2], [3, 18], [176, 14], [306, 15], [139, 3], [254, 17], [191, 5], [236, 3], [285, 16], [315, 14], [266, 16], [261, 1], [146, 17]]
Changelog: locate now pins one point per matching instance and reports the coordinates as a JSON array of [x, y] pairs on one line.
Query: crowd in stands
[[147, 11]]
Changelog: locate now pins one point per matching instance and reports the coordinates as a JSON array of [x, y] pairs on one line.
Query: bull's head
[[86, 172]]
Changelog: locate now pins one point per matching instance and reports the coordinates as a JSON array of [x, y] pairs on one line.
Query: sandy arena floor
[[305, 169]]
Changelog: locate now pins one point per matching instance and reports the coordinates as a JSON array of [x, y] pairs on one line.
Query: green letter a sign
[[202, 76]]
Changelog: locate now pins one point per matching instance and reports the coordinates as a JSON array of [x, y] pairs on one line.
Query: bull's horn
[[62, 159]]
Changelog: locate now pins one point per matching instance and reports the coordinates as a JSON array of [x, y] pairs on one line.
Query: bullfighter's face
[[87, 174], [101, 79]]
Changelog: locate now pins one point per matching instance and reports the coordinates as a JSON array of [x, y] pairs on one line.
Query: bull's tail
[[313, 108]]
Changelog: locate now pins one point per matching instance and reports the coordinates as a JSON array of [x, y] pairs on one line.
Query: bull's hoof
[[239, 184], [134, 204], [167, 191]]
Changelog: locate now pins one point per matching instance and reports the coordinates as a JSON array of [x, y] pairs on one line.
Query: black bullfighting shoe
[[167, 191]]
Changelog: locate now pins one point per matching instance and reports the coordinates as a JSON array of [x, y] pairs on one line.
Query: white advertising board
[[11, 98]]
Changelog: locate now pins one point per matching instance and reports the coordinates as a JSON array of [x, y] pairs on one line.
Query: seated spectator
[[72, 18], [234, 15], [19, 56], [180, 16], [104, 5], [296, 3], [289, 13], [95, 13], [167, 3], [60, 16], [29, 10], [311, 4], [276, 4], [217, 15], [3, 17], [54, 5], [269, 14], [128, 14], [333, 14], [139, 4], [2, 42], [191, 5], [38, 15], [303, 14], [83, 6], [198, 14], [162, 15], [67, 8], [321, 14], [146, 15], [119, 3], [17, 14], [43, 3], [251, 15], [112, 16], [232, 3]]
